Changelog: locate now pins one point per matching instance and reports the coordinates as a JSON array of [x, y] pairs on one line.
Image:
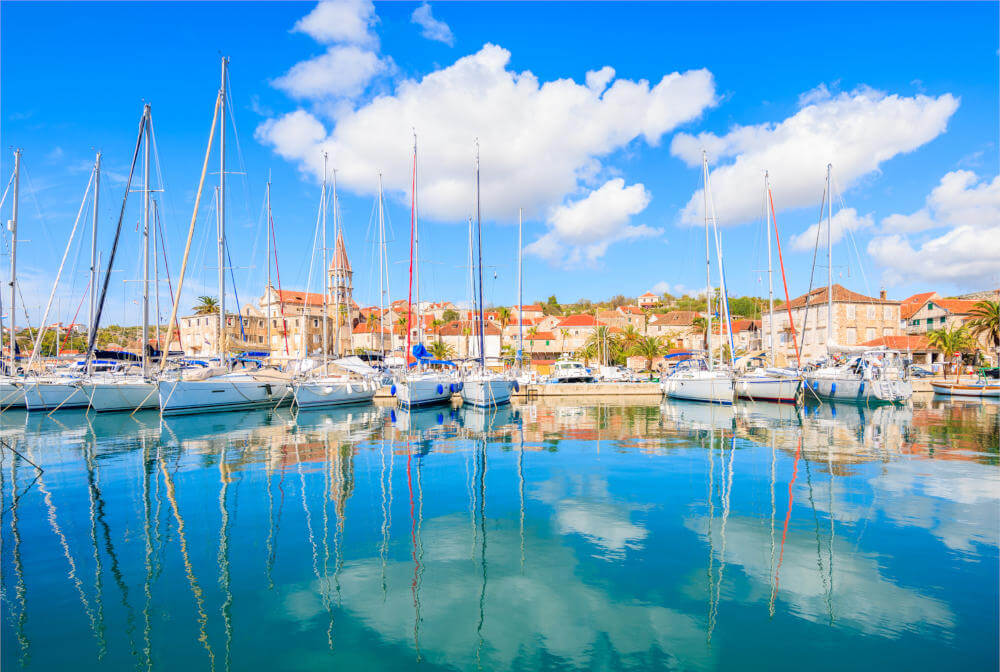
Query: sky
[[590, 118]]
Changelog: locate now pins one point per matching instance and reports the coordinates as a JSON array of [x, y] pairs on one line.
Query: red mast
[[781, 260], [413, 231]]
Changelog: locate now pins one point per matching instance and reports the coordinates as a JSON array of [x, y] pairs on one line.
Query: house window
[[870, 334], [942, 319], [315, 323], [850, 312], [871, 312], [852, 335], [930, 306], [887, 332], [930, 321], [887, 313]]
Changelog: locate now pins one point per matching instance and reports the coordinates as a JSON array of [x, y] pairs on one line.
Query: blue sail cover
[[423, 357]]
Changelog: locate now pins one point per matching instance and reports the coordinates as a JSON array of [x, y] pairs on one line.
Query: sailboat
[[229, 385], [766, 382], [870, 375], [11, 382], [343, 386], [482, 387], [420, 384], [694, 378]]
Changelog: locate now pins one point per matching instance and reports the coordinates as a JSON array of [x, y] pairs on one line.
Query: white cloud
[[342, 72], [664, 287], [432, 28], [845, 220], [580, 231], [958, 237], [856, 132], [541, 142], [346, 21]]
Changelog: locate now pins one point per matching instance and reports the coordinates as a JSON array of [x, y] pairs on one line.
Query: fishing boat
[[567, 370], [862, 374], [761, 380], [982, 388], [482, 387], [696, 378]]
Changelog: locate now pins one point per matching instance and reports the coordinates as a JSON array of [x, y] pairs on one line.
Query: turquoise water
[[551, 535]]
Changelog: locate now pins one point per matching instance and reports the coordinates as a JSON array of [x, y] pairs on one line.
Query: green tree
[[504, 318], [441, 350], [952, 341], [436, 327], [207, 305], [650, 347], [552, 307], [587, 353], [449, 315], [985, 323], [629, 337], [699, 325], [606, 345]]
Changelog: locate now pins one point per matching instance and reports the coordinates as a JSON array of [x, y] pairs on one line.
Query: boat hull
[[768, 388], [316, 394], [487, 393], [716, 390], [424, 392], [991, 391], [122, 396], [858, 390], [11, 395], [52, 396], [200, 396]]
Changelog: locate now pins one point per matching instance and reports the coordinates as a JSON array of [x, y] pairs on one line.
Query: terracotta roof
[[675, 318], [919, 298], [648, 294], [340, 262], [957, 306], [307, 298], [900, 343], [582, 320], [541, 336], [907, 310], [457, 328], [534, 308], [840, 294], [631, 310]]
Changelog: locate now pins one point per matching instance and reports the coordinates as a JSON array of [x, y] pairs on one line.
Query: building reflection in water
[[507, 545]]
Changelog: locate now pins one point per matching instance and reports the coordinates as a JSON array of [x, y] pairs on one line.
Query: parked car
[[920, 372]]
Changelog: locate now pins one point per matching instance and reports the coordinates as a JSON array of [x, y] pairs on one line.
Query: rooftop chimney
[[881, 294]]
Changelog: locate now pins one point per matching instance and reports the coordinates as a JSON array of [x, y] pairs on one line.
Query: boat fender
[[461, 386], [392, 390], [833, 389], [440, 388], [451, 388], [861, 389], [517, 388], [392, 415], [440, 418]]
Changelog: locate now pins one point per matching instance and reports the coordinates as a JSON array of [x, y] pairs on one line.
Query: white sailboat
[[236, 385], [869, 375], [696, 379], [765, 382], [420, 384], [482, 387], [11, 382]]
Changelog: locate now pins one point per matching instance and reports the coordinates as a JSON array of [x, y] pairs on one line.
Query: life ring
[[440, 388]]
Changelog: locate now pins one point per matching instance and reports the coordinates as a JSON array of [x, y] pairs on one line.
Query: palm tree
[[207, 305], [951, 342], [986, 322], [650, 347], [587, 353], [441, 350], [503, 317], [507, 354], [531, 342], [436, 325], [629, 337], [605, 344], [699, 325]]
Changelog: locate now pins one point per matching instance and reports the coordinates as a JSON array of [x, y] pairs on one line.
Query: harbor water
[[555, 534]]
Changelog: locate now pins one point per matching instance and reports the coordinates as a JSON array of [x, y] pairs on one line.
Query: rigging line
[[34, 198], [4, 198], [166, 266], [232, 274], [277, 273], [784, 281], [239, 150], [812, 273]]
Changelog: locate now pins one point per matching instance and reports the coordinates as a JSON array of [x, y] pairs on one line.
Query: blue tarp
[[423, 357]]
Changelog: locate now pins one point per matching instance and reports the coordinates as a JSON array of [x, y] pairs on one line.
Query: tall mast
[[326, 277], [13, 263], [93, 245], [479, 247], [416, 245], [221, 228], [829, 255], [472, 289], [145, 242], [337, 236], [520, 294], [770, 279], [267, 234], [381, 271], [708, 257]]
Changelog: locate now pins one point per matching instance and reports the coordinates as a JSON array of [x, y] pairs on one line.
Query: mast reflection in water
[[567, 534]]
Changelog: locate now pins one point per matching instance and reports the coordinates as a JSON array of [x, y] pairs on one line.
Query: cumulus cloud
[[541, 142], [581, 230], [954, 238], [844, 220], [346, 21], [342, 72], [856, 132], [432, 28]]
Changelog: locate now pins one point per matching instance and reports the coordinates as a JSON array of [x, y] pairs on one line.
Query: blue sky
[[902, 98]]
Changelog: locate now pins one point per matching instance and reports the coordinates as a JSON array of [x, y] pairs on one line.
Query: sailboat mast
[[326, 277], [520, 294], [381, 271], [708, 257], [93, 245], [479, 247], [222, 209], [416, 246], [13, 263], [145, 242], [829, 254], [770, 274], [337, 236], [472, 289], [267, 234]]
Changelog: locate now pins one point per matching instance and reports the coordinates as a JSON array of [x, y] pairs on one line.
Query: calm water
[[553, 535]]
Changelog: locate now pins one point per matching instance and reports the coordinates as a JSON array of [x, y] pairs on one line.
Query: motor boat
[[567, 370], [693, 380], [982, 388]]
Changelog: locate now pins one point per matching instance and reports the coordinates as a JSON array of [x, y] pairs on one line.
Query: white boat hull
[[314, 394], [768, 388], [988, 390], [11, 395], [220, 394], [714, 390], [844, 388], [122, 395], [487, 392], [425, 391], [50, 396]]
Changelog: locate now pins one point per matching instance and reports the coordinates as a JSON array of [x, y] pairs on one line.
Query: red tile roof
[[582, 320], [306, 298], [631, 310], [900, 343], [648, 294], [675, 318], [919, 298], [458, 327], [840, 294], [541, 336], [956, 306]]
